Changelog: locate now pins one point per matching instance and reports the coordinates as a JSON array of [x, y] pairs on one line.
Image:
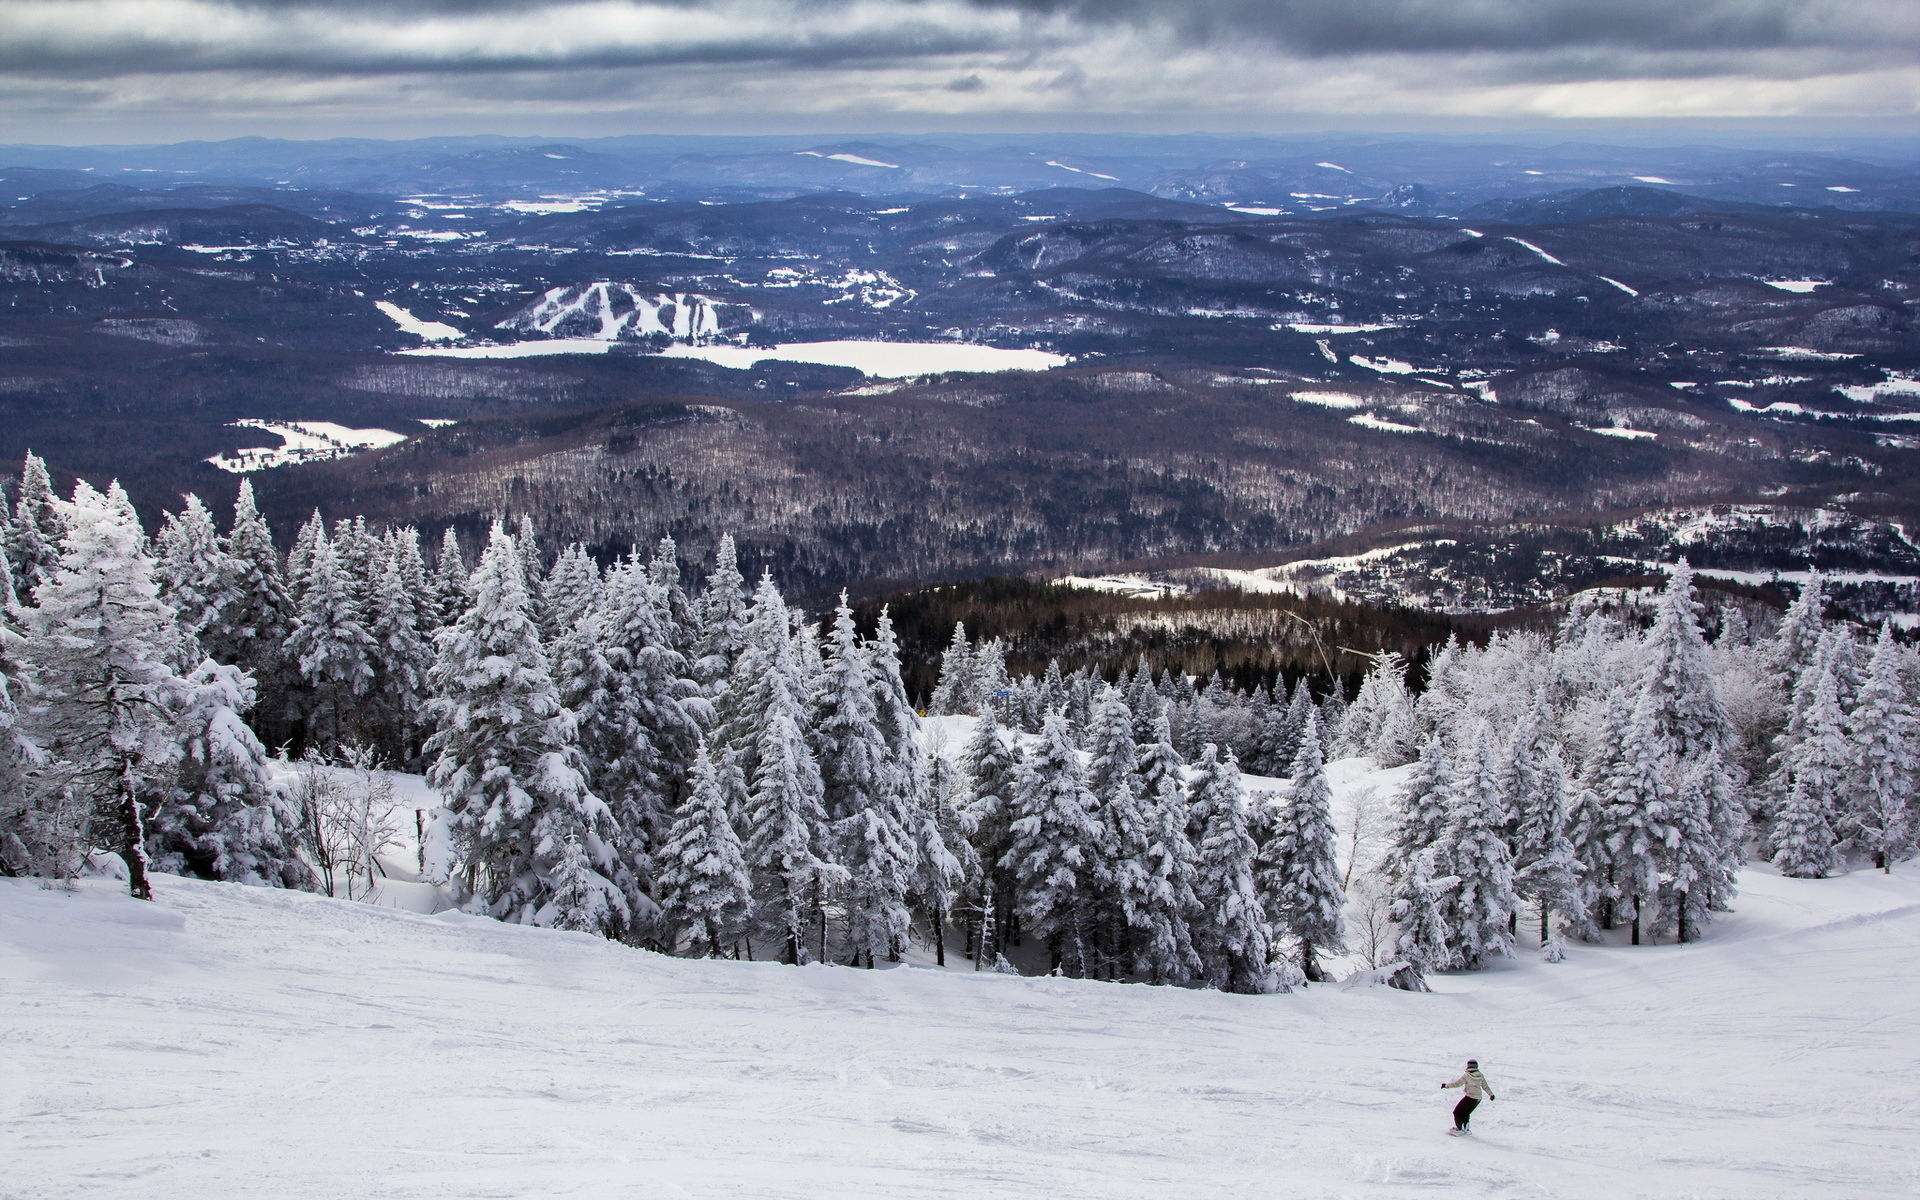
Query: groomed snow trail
[[233, 1042]]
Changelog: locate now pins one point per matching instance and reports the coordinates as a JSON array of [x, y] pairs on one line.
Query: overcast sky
[[147, 70]]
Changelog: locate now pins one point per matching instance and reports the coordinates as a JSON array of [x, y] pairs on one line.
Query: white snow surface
[[882, 360], [1537, 250], [430, 331], [228, 1041], [1802, 286], [301, 441]]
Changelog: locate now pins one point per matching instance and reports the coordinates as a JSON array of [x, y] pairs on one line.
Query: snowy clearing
[[1329, 399], [1615, 431], [302, 441], [431, 331], [882, 360], [1372, 422], [1800, 286], [228, 1041], [1537, 250]]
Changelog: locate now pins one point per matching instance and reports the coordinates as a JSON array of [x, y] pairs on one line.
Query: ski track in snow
[[243, 1042]]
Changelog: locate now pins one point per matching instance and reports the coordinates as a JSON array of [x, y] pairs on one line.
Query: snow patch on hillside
[[431, 331], [302, 441]]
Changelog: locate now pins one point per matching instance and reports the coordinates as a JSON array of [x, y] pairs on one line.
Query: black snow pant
[[1463, 1111]]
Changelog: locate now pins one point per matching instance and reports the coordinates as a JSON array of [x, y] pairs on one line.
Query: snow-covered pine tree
[[992, 768], [1230, 934], [571, 591], [1380, 722], [1797, 643], [990, 678], [300, 557], [451, 590], [1876, 810], [956, 682], [252, 627], [705, 895], [1638, 794], [677, 613], [1813, 770], [867, 798], [191, 567], [1694, 881], [222, 817], [34, 534], [946, 864], [19, 834], [1545, 871], [532, 566], [1422, 939], [332, 649], [1146, 704], [1054, 859], [1118, 914], [722, 611], [100, 652], [1422, 810], [1166, 913], [1687, 714], [653, 714], [1297, 875], [531, 838], [1480, 908], [402, 656]]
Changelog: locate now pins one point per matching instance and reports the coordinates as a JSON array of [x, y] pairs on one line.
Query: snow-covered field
[[302, 441], [882, 360], [226, 1041]]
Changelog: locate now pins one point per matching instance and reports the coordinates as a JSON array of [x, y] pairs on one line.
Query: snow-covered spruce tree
[[866, 798], [532, 566], [677, 613], [1694, 869], [300, 557], [722, 611], [653, 714], [518, 810], [571, 591], [101, 651], [1054, 859], [402, 656], [705, 895], [1422, 809], [1813, 768], [1685, 703], [764, 714], [17, 752], [1164, 943], [1146, 704], [34, 534], [1545, 871], [192, 570], [1380, 722], [1298, 877], [1480, 908], [1119, 916], [252, 627], [1445, 702], [1797, 642], [1638, 794], [1876, 812], [223, 818], [451, 590], [1230, 934], [946, 864], [331, 647], [1422, 939], [956, 682], [992, 770]]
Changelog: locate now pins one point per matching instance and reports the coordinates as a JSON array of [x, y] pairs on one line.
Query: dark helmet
[[1473, 1062]]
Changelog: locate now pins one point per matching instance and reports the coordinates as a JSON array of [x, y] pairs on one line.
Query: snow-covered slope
[[617, 311], [225, 1041]]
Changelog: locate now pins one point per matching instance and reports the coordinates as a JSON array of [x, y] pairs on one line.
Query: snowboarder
[[1477, 1089]]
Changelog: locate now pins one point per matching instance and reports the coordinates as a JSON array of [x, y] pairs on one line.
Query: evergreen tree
[[402, 658], [1422, 812], [653, 713], [1120, 913], [1813, 766], [21, 834], [1381, 721], [704, 890], [956, 683], [300, 557], [1165, 915], [100, 651], [451, 591], [1545, 871], [1876, 814], [1639, 817], [33, 537], [1480, 908], [787, 839], [1299, 879], [1231, 934], [531, 839], [570, 592], [1054, 859], [191, 567], [1422, 939], [945, 858], [332, 648], [992, 769], [252, 628], [222, 818], [723, 619]]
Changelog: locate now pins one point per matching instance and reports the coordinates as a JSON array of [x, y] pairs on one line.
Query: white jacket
[[1475, 1083]]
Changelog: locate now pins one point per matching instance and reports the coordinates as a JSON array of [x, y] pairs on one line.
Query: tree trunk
[[1544, 931], [939, 935], [133, 846], [1686, 934], [1309, 965], [1636, 926]]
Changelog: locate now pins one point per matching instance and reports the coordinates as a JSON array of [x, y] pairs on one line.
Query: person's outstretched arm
[[1460, 1082]]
